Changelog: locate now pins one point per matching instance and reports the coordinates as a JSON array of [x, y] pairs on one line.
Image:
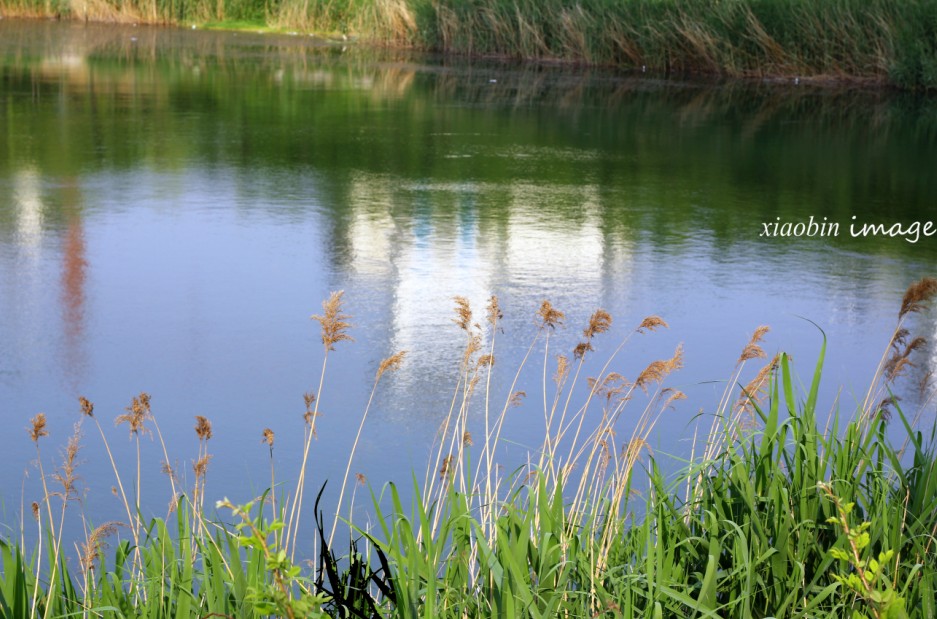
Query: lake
[[176, 204]]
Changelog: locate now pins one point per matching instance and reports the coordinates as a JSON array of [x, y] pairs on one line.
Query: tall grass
[[780, 510], [841, 39]]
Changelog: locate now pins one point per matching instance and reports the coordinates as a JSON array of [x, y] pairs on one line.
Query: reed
[[846, 39], [778, 512]]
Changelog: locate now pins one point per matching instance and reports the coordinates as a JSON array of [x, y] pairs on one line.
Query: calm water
[[174, 205]]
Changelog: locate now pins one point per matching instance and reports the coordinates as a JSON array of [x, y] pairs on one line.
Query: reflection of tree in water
[[74, 267]]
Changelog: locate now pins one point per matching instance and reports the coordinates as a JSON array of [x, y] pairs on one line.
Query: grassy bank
[[780, 510], [840, 39]]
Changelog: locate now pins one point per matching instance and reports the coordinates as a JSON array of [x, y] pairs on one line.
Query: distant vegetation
[[779, 511], [883, 40]]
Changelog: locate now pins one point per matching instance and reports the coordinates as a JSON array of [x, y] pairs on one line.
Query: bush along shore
[[779, 511], [869, 40]]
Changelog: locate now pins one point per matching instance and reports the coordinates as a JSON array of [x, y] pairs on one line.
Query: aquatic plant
[[777, 512], [844, 40]]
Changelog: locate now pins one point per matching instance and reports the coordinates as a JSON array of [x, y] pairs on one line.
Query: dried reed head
[[673, 395], [390, 364], [917, 296], [361, 479], [517, 397], [752, 350], [200, 466], [581, 349], [549, 315], [446, 468], [87, 407], [268, 437], [884, 409], [899, 338], [611, 387], [137, 413], [562, 369], [168, 471], [66, 475], [494, 311], [900, 359], [309, 399], [599, 322], [202, 428], [467, 439], [334, 322], [463, 313], [95, 545], [652, 323], [657, 371], [486, 361], [34, 508], [754, 391], [38, 428]]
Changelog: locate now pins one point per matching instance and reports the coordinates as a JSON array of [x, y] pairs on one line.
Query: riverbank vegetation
[[780, 509], [877, 40]]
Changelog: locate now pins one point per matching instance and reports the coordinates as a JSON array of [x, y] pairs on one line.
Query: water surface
[[175, 204]]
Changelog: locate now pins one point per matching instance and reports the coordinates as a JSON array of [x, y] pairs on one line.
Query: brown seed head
[[884, 409], [87, 408], [361, 479], [202, 428], [200, 466], [651, 323], [486, 361], [137, 413], [900, 337], [550, 316], [562, 369], [167, 470], [34, 507], [268, 437], [658, 370], [673, 397], [391, 363], [467, 439], [95, 544], [581, 349], [517, 397], [38, 429], [754, 391], [334, 322], [463, 312], [752, 350], [494, 310], [918, 295], [446, 466], [599, 322], [66, 475]]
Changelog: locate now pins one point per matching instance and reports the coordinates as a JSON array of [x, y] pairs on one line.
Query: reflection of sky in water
[[206, 307]]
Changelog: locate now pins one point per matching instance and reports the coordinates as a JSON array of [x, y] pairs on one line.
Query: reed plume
[[38, 430], [389, 364], [918, 296], [333, 321], [334, 324], [549, 315], [658, 370], [87, 409], [752, 350]]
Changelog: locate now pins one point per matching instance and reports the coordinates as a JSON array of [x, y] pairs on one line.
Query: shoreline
[[836, 60]]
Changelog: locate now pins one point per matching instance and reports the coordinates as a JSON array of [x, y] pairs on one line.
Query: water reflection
[[176, 204]]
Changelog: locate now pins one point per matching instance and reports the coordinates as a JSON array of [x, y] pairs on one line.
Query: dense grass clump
[[780, 511], [837, 39]]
